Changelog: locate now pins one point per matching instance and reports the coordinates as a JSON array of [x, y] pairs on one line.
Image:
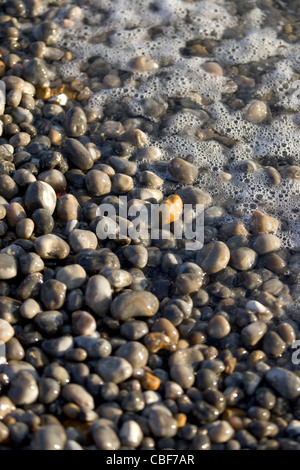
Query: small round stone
[[105, 437], [136, 255], [135, 353], [214, 257], [30, 263], [49, 390], [243, 258], [43, 222], [218, 327], [67, 208], [114, 369], [24, 228], [8, 266], [50, 322], [29, 308], [256, 111], [83, 323], [162, 423], [97, 182]]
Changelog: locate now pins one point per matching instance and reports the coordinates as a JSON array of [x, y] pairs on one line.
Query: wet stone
[[183, 171], [49, 322], [105, 438], [49, 390], [243, 258], [114, 369], [77, 394], [136, 255], [76, 122], [35, 72], [79, 156], [98, 294], [72, 276], [252, 333], [49, 437], [214, 257], [266, 243], [6, 331], [40, 195], [134, 304], [97, 182], [162, 423], [23, 389], [51, 246], [134, 352], [53, 294], [218, 327], [82, 240], [95, 347], [43, 222]]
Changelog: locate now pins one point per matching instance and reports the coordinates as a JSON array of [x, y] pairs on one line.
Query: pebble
[[252, 333], [72, 276], [49, 390], [30, 263], [23, 389], [51, 436], [162, 423], [40, 195], [285, 382], [78, 155], [118, 278], [220, 432], [213, 257], [97, 182], [266, 243], [98, 294], [50, 322], [6, 331], [53, 294], [105, 437], [182, 171], [43, 222], [75, 122], [243, 258], [51, 246], [134, 352], [131, 304], [8, 266], [218, 327], [82, 240], [77, 394], [131, 434], [137, 255], [256, 111], [263, 223], [114, 369], [57, 347]]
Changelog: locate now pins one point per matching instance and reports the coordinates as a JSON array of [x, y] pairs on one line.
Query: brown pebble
[[150, 381]]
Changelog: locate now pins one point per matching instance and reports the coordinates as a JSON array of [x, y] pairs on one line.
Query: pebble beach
[[135, 341]]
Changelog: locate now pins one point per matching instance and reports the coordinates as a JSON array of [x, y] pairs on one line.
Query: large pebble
[[285, 382], [266, 243], [218, 327], [213, 257], [8, 266], [105, 438], [51, 246], [183, 171], [114, 369], [40, 195], [243, 258], [263, 223], [67, 208], [78, 154], [77, 394], [252, 333], [133, 304], [98, 294], [220, 431], [53, 294], [134, 352], [72, 276], [162, 423], [23, 389], [97, 182], [136, 255], [82, 240], [76, 122]]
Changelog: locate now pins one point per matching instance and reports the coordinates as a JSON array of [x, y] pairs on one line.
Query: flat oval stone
[[77, 394], [114, 369], [40, 195], [8, 266], [285, 382], [51, 246], [78, 154], [133, 304], [98, 294]]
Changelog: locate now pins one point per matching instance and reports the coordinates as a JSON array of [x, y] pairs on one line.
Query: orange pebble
[[230, 363], [150, 381], [171, 209], [2, 68], [43, 93], [233, 412], [181, 419]]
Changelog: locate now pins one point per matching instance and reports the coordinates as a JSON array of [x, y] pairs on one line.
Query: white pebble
[[256, 306]]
